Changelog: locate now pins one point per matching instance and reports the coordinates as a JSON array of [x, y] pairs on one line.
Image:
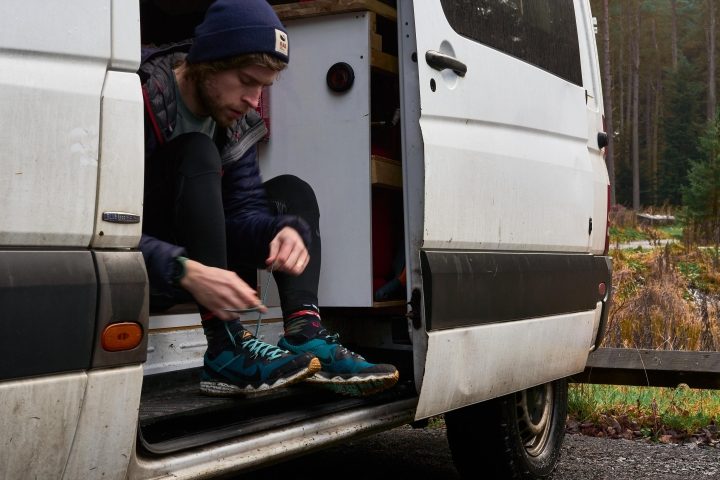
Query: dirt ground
[[423, 454]]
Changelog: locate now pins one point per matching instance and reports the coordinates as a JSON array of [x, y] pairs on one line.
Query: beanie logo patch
[[281, 42]]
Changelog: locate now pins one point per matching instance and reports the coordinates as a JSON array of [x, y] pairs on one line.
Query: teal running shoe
[[343, 371], [253, 367]]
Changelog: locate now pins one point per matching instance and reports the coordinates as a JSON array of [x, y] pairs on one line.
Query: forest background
[[658, 63]]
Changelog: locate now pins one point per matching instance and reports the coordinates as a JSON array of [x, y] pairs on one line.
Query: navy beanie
[[237, 27]]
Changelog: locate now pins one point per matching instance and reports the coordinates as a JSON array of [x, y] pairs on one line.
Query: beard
[[212, 104]]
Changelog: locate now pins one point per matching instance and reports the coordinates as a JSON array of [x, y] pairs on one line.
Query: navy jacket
[[247, 217]]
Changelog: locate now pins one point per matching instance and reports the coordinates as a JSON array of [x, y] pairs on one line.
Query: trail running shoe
[[343, 371], [253, 367]]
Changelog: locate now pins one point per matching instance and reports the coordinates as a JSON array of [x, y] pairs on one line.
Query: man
[[208, 215]]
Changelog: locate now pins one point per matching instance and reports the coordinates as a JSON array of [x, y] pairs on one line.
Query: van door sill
[[175, 416]]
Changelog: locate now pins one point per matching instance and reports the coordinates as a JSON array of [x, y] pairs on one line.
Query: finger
[[293, 260], [283, 254], [272, 256], [303, 262]]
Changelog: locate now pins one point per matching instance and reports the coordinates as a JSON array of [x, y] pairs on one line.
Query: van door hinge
[[415, 314]]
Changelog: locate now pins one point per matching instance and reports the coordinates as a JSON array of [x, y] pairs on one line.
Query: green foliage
[[681, 131], [702, 194], [644, 411], [691, 271], [674, 231], [623, 235]]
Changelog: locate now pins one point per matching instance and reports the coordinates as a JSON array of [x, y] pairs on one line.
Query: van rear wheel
[[517, 436]]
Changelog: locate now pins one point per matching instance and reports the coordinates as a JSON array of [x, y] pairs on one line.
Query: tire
[[517, 436]]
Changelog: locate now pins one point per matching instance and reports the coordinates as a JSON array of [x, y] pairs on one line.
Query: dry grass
[[665, 298]]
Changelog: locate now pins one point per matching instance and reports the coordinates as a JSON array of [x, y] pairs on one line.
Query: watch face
[[179, 269]]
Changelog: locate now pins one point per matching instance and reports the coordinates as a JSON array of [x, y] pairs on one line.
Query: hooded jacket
[[247, 217]]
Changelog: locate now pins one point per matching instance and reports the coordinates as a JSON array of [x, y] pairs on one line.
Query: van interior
[[174, 415]]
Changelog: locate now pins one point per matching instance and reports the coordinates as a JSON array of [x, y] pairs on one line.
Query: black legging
[[183, 205]]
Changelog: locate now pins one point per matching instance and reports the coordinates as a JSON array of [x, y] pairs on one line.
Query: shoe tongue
[[246, 335]]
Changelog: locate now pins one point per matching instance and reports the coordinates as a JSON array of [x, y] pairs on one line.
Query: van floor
[[174, 415]]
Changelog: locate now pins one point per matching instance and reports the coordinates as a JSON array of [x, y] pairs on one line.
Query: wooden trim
[[384, 61], [385, 172], [656, 368], [316, 8]]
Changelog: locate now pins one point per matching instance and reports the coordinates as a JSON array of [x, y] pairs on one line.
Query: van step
[[174, 415]]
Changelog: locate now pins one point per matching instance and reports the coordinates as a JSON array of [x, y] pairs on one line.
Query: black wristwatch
[[179, 270]]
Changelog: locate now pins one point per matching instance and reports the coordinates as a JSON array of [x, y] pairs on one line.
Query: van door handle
[[440, 61]]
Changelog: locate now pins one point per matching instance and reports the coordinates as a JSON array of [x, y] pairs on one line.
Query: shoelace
[[264, 297], [258, 347], [335, 338]]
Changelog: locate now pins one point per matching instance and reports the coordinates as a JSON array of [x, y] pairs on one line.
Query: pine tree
[[701, 196]]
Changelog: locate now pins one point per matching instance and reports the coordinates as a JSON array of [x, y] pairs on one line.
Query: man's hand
[[217, 289], [288, 252]]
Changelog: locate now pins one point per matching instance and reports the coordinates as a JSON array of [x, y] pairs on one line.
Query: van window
[[540, 32]]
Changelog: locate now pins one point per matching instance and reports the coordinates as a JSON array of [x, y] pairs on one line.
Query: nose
[[252, 97]]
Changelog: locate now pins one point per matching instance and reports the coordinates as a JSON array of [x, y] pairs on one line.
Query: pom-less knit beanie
[[237, 27]]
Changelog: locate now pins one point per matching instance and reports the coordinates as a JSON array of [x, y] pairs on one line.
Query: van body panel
[[473, 288], [110, 406], [49, 132], [506, 137], [119, 210], [48, 301], [125, 51], [38, 418], [50, 88], [516, 145], [473, 364], [78, 29]]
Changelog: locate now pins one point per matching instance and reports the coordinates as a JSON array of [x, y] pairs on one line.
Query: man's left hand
[[288, 252]]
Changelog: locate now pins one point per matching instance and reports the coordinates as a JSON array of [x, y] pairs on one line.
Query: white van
[[453, 146]]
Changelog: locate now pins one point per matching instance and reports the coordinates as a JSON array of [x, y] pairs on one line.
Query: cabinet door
[[323, 137]]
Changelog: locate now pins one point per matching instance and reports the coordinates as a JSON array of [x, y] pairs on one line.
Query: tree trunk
[[710, 36], [607, 99], [655, 117], [674, 35], [635, 41], [630, 35]]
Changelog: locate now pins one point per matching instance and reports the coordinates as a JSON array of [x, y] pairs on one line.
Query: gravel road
[[423, 454]]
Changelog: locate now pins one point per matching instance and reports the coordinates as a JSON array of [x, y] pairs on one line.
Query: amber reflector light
[[121, 336]]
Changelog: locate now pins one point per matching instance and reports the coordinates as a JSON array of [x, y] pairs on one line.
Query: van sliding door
[[510, 289]]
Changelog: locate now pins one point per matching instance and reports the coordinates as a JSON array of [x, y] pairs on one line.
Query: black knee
[[197, 154], [294, 193]]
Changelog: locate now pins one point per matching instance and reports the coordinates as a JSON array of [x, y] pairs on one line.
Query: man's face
[[229, 94]]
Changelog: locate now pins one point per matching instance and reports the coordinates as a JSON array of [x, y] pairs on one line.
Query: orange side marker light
[[122, 336]]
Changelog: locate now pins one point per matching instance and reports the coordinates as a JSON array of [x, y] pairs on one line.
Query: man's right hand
[[217, 289]]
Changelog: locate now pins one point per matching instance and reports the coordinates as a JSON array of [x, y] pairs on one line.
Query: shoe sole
[[218, 388], [355, 385]]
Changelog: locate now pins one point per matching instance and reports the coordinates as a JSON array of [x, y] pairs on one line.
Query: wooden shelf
[[390, 303], [385, 172], [316, 8]]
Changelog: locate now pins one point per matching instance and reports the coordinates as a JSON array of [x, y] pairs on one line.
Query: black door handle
[[440, 61]]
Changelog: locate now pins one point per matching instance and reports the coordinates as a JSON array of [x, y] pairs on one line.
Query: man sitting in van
[[208, 215]]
